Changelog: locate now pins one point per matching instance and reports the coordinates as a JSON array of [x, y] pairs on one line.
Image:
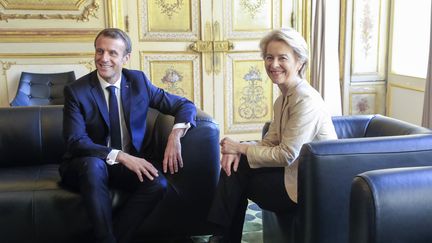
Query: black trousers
[[93, 178], [264, 186]]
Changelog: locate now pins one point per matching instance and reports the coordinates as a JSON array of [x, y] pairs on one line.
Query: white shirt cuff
[[112, 156], [184, 126]]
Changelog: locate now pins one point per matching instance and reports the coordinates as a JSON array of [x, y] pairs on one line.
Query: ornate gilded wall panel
[[367, 41], [55, 20], [251, 19], [13, 64], [176, 73], [42, 4], [362, 103], [168, 20], [367, 98], [249, 102]]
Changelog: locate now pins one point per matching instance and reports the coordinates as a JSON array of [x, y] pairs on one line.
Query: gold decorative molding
[[12, 64], [169, 8], [88, 11], [32, 35], [168, 26], [6, 66], [254, 20], [178, 72], [41, 4], [210, 62], [249, 103], [343, 33], [252, 101], [217, 57], [47, 55], [88, 64], [306, 29], [252, 7], [405, 86], [116, 19], [389, 98]]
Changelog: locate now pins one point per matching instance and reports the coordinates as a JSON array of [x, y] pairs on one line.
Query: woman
[[266, 171]]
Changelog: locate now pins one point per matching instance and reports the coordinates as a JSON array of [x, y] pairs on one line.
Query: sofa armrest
[[326, 170], [192, 188], [387, 206], [200, 149]]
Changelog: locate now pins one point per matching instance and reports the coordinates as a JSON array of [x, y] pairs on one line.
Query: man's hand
[[228, 161], [172, 157], [138, 165]]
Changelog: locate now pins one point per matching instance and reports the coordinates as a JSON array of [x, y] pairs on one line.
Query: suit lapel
[[99, 97], [126, 100]]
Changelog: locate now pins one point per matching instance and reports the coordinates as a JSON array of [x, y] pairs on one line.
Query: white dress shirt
[[125, 138]]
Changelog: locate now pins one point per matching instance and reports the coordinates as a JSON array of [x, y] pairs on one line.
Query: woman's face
[[281, 63]]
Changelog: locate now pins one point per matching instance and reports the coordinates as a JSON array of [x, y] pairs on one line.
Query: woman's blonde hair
[[294, 40]]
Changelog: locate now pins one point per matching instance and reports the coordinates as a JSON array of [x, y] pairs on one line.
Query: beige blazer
[[299, 117]]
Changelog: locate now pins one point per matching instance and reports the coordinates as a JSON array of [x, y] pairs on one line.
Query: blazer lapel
[[126, 101], [99, 97]]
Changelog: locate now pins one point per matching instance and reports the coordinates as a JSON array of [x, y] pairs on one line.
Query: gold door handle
[[222, 46], [202, 46], [210, 46]]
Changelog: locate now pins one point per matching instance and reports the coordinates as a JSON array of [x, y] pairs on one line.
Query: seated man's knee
[[160, 186], [93, 168]]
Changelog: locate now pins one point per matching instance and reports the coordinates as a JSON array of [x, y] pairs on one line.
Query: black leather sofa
[[327, 168], [34, 207], [392, 205]]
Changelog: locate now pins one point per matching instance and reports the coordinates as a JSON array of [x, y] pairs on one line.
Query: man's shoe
[[216, 239]]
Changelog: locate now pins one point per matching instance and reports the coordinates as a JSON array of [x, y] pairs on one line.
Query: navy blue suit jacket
[[86, 118]]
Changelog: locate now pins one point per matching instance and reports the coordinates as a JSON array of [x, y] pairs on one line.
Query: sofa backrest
[[359, 126], [32, 135], [351, 126], [386, 126]]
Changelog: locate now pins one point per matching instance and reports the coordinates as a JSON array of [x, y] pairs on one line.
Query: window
[[410, 37]]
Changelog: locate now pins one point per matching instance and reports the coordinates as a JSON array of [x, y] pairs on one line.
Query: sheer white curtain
[[427, 107], [324, 52]]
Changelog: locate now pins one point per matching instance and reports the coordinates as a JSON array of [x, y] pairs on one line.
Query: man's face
[[110, 56]]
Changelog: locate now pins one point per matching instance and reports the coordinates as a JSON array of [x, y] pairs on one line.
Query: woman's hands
[[231, 151], [230, 161]]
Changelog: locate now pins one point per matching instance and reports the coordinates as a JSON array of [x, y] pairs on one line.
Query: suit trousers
[[93, 178], [264, 186]]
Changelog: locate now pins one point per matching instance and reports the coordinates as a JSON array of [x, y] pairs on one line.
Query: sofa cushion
[[32, 205], [29, 178]]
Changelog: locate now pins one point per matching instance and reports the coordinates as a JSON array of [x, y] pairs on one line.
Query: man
[[104, 128]]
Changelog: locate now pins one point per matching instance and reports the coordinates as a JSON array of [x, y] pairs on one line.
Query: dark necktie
[[114, 119]]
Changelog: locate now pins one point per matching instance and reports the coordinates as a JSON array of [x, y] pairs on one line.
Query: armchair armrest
[[387, 206], [326, 170]]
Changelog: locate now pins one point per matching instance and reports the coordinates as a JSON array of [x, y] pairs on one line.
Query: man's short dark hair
[[115, 33]]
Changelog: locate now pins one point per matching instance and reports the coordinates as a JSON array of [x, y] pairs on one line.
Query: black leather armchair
[[327, 168], [392, 205], [34, 207], [41, 88]]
